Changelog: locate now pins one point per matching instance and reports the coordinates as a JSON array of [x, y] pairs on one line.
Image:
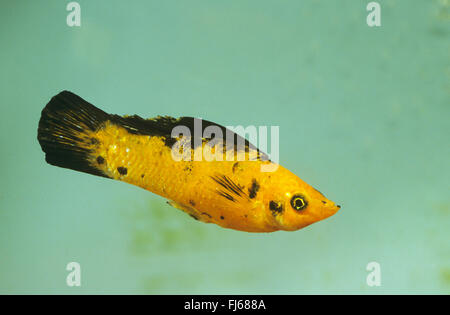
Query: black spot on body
[[235, 166], [94, 141], [222, 217], [205, 213], [142, 176], [188, 168], [192, 202], [275, 207], [253, 189], [100, 160], [122, 170]]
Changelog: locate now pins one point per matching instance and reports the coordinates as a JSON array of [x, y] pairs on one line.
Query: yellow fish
[[231, 193]]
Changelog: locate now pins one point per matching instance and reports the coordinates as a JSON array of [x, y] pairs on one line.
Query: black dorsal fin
[[162, 126]]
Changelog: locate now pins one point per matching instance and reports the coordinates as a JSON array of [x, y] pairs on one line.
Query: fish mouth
[[331, 207], [335, 208]]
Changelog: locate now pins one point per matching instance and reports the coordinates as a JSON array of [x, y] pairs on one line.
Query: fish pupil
[[298, 202]]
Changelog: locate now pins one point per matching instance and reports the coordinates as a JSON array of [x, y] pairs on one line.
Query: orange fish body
[[232, 193]]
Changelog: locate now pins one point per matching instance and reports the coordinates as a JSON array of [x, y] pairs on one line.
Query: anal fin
[[190, 211]]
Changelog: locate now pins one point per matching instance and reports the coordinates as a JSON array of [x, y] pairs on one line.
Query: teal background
[[363, 115]]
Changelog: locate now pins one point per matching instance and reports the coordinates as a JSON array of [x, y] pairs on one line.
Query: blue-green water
[[363, 115]]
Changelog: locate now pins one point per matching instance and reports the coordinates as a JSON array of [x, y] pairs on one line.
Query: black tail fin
[[63, 132]]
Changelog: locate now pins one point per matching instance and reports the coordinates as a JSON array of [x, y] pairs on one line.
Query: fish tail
[[65, 132]]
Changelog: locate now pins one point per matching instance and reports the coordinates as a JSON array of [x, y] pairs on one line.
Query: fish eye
[[298, 202]]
